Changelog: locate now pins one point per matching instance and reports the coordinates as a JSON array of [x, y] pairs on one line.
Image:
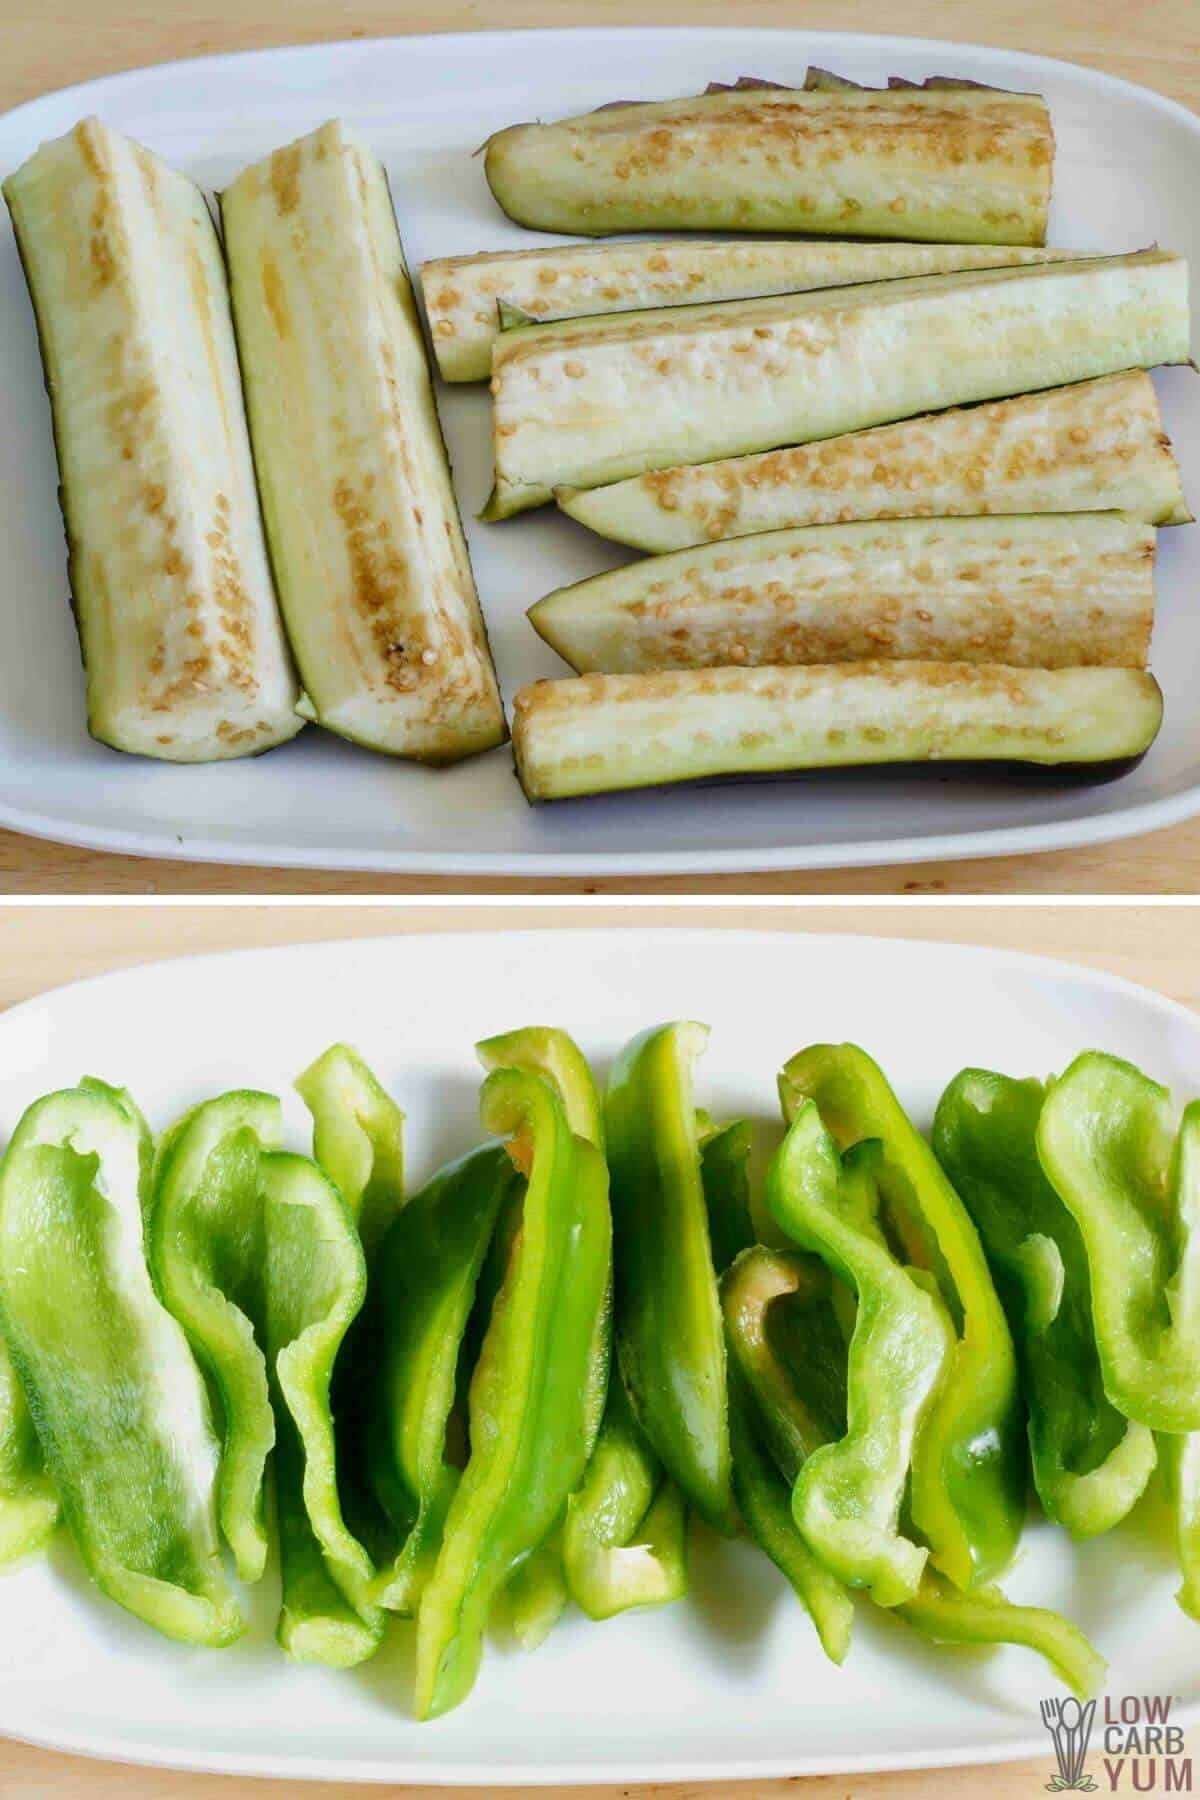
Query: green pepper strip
[[790, 1380], [28, 1503], [256, 1254], [529, 1407], [358, 1139], [774, 1427], [1179, 1457], [1104, 1139], [593, 1558], [625, 1543], [670, 1342], [119, 1405], [968, 1475], [1090, 1464], [207, 1252], [425, 1275], [537, 1594], [848, 1494], [725, 1176]]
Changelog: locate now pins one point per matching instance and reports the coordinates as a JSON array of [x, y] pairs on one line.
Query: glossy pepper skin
[[529, 1423], [786, 1411], [1090, 1463], [670, 1342], [623, 1542], [28, 1503], [774, 1428], [358, 1138], [1105, 1140], [848, 1495], [255, 1252], [127, 1434], [207, 1248], [426, 1271], [968, 1476]]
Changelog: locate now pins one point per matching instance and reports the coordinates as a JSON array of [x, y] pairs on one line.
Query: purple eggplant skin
[[995, 774]]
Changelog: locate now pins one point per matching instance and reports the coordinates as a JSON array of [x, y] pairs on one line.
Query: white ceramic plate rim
[[456, 1773], [1138, 817]]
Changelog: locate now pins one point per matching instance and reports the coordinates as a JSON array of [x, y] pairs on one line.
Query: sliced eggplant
[[1093, 446], [584, 402], [957, 164], [365, 535], [465, 294], [181, 639], [1054, 591], [597, 733]]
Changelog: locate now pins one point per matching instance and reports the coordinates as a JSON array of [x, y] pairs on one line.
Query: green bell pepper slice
[[119, 1405], [358, 1138], [1105, 1141], [848, 1495], [207, 1246], [774, 1427], [1090, 1463], [530, 1420], [670, 1343], [623, 1543], [725, 1177], [28, 1503], [256, 1254], [794, 1374], [968, 1474], [1179, 1458], [625, 1540], [425, 1274]]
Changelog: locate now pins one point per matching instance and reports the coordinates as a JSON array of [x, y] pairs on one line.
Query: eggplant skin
[[950, 165], [1045, 592], [603, 733], [582, 403], [1091, 446], [170, 581], [370, 557], [466, 297]]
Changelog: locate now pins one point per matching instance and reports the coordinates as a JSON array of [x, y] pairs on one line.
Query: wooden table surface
[[45, 946], [1157, 44]]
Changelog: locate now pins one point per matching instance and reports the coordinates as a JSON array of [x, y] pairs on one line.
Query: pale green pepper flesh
[[848, 1494], [529, 1411], [1090, 1463], [968, 1477], [119, 1405]]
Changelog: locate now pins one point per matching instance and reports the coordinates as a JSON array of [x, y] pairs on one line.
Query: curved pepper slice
[[725, 1176], [118, 1403], [625, 1541], [358, 1138], [28, 1503], [529, 1409], [256, 1254], [796, 1371], [1104, 1139], [968, 1475], [1090, 1464], [848, 1495], [425, 1276], [774, 1428], [207, 1249], [670, 1342]]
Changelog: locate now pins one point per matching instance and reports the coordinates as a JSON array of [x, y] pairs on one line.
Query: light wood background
[[52, 45], [42, 947]]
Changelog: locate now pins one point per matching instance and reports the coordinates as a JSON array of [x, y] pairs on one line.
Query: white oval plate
[[1127, 172], [730, 1683]]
